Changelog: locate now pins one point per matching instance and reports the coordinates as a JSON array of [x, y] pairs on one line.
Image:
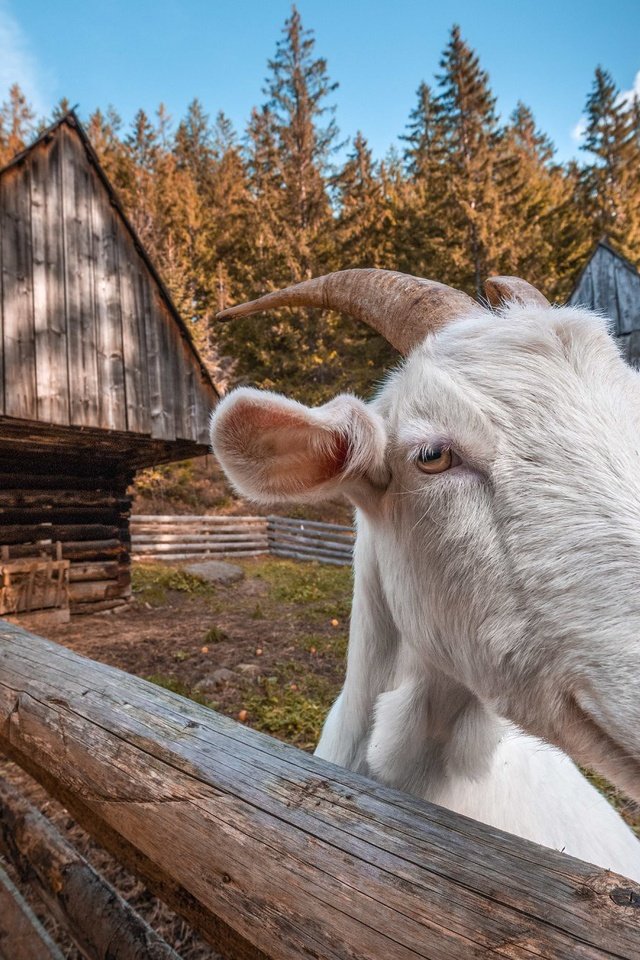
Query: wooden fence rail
[[193, 537], [276, 855], [97, 919], [190, 538]]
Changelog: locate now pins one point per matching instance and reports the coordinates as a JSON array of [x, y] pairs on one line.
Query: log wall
[[273, 854], [82, 506]]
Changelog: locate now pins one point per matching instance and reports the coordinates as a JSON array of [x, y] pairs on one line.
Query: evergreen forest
[[228, 215]]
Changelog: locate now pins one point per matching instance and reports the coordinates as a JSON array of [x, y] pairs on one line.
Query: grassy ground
[[281, 634]]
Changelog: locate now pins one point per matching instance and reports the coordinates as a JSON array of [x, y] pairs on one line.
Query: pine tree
[[612, 179], [17, 124], [298, 88], [422, 195], [291, 140], [473, 233], [193, 144], [539, 208]]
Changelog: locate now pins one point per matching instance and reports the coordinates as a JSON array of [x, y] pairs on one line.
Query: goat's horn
[[404, 309], [501, 290]]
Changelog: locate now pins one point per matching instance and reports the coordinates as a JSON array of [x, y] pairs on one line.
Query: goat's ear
[[275, 449]]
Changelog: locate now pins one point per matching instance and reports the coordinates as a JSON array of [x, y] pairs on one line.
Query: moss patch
[[152, 583], [323, 590]]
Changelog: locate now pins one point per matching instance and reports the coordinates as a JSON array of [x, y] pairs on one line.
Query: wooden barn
[[99, 377], [610, 284]]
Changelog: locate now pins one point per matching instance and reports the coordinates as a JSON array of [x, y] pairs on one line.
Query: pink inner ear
[[284, 442]]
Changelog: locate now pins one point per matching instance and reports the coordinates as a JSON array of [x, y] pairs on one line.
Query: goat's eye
[[436, 459]]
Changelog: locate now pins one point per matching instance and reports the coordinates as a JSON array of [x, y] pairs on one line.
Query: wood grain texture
[[79, 283], [18, 342], [112, 411], [101, 924], [610, 284], [88, 333], [282, 855], [49, 311], [22, 936]]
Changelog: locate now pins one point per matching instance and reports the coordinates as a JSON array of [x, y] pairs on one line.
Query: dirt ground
[[268, 650]]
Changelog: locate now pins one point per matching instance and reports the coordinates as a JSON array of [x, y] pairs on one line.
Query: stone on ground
[[216, 571]]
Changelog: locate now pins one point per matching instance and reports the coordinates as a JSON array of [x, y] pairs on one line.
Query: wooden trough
[[272, 853]]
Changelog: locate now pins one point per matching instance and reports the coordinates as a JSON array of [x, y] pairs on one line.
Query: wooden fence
[[273, 854], [182, 538], [190, 538], [310, 540]]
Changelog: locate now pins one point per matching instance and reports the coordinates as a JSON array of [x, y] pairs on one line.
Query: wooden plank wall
[[85, 335], [611, 285]]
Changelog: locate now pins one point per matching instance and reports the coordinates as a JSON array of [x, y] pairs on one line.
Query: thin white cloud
[[579, 130], [627, 95], [18, 63]]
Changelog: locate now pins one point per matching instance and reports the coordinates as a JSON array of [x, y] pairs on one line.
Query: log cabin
[[610, 284], [99, 377]]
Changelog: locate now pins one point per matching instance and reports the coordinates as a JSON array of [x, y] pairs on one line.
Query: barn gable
[[610, 284], [91, 343], [98, 377]]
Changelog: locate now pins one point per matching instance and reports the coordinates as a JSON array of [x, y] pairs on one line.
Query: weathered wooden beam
[[97, 919], [22, 936], [72, 550], [97, 606], [90, 591], [33, 499], [104, 570], [273, 853], [16, 533]]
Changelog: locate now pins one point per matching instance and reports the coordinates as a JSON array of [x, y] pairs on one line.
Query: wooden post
[[98, 920], [272, 853], [22, 936]]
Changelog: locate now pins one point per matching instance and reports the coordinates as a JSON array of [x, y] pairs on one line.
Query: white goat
[[497, 564]]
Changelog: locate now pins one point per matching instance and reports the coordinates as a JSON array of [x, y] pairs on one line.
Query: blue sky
[[140, 52]]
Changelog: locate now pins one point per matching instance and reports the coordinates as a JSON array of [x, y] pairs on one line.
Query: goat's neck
[[403, 721], [429, 733]]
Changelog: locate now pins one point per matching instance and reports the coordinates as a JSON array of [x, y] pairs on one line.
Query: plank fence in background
[[273, 854], [192, 538], [310, 540]]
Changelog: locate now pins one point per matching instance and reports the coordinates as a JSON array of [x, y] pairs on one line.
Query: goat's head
[[499, 470]]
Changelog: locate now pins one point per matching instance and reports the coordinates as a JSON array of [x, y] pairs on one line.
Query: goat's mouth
[[585, 739]]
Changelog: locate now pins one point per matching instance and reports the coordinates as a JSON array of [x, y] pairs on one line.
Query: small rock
[[213, 681], [216, 571], [249, 669]]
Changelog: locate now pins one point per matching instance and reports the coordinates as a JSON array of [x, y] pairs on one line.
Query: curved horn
[[404, 309], [500, 290]]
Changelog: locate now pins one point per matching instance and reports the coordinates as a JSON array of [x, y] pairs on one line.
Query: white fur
[[498, 597]]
